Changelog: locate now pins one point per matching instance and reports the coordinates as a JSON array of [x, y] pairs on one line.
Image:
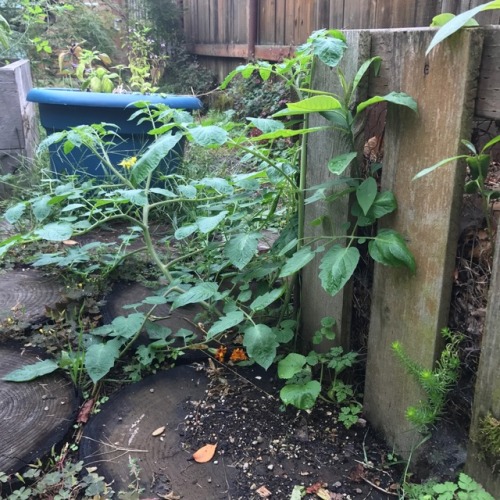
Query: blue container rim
[[75, 97]]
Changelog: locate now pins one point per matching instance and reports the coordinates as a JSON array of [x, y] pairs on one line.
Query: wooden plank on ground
[[322, 147], [481, 465], [405, 308]]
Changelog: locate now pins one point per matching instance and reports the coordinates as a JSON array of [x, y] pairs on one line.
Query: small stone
[[46, 408], [245, 466], [270, 467], [151, 390], [338, 484]]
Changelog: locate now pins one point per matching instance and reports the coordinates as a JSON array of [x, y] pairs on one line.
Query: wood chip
[[159, 431]]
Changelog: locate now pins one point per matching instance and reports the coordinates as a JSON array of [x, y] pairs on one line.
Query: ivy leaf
[[260, 342], [30, 372], [390, 249], [100, 358], [337, 266], [209, 136], [366, 193], [55, 231], [230, 320], [241, 249], [338, 164], [202, 291], [155, 153], [399, 98], [302, 396], [297, 261]]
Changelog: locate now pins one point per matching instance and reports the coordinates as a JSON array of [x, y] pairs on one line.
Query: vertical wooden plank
[[290, 20], [267, 22], [239, 22], [280, 35], [321, 15], [480, 465], [394, 14], [336, 16], [425, 10], [322, 147], [304, 20], [405, 308], [358, 13]]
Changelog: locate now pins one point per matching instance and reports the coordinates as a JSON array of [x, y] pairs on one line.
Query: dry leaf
[[205, 453], [323, 493], [84, 414], [159, 431], [263, 492], [70, 242]]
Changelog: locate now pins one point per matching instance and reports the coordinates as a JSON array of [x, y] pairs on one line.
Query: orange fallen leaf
[[205, 453]]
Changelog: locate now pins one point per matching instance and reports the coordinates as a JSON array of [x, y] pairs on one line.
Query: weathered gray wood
[[406, 308], [487, 395], [322, 147], [18, 128]]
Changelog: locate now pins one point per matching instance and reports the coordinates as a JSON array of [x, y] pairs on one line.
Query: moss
[[489, 436]]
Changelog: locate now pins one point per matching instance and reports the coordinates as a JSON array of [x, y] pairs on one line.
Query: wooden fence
[[225, 32], [405, 308]]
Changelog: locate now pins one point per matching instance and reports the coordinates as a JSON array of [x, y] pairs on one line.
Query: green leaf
[[366, 193], [430, 169], [329, 50], [287, 132], [241, 249], [266, 299], [260, 342], [337, 267], [134, 196], [375, 61], [266, 124], [399, 98], [13, 214], [315, 104], [30, 372], [458, 22], [297, 261], [390, 249], [385, 203], [202, 291], [207, 224], [230, 320], [302, 396], [488, 145], [211, 135], [339, 164], [155, 153], [188, 192], [55, 231], [100, 358], [41, 208], [292, 364], [155, 300], [185, 231], [127, 326], [163, 192]]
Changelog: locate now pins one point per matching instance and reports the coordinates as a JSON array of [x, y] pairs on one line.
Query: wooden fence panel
[[267, 22], [480, 466], [322, 147], [405, 308]]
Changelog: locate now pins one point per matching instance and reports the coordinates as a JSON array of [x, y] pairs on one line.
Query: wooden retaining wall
[[449, 87], [225, 32]]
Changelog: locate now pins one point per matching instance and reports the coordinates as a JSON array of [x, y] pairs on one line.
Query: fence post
[[322, 147], [406, 308], [482, 464]]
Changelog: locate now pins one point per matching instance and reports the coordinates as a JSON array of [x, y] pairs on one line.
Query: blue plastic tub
[[61, 109]]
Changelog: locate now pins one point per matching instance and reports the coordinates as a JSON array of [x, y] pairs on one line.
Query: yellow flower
[[128, 162]]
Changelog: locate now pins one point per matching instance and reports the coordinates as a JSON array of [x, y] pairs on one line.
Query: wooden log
[[405, 308], [322, 147], [481, 465]]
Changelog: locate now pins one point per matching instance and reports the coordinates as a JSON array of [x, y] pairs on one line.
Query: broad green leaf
[[31, 372], [185, 231], [41, 208], [390, 249], [264, 70], [315, 104], [155, 153], [230, 320], [207, 224], [241, 249], [163, 192], [302, 396], [441, 19], [127, 326], [337, 266], [100, 358], [188, 192], [202, 291], [155, 300], [366, 193], [297, 261], [211, 135], [72, 206], [329, 50], [339, 164], [399, 98], [266, 124], [218, 184], [266, 299], [458, 22], [430, 169], [55, 231], [488, 145], [290, 365], [286, 132], [385, 203], [375, 61], [134, 196], [260, 342], [13, 214]]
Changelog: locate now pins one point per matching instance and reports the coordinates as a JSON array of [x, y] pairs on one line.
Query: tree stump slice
[[123, 429], [24, 295], [34, 416]]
